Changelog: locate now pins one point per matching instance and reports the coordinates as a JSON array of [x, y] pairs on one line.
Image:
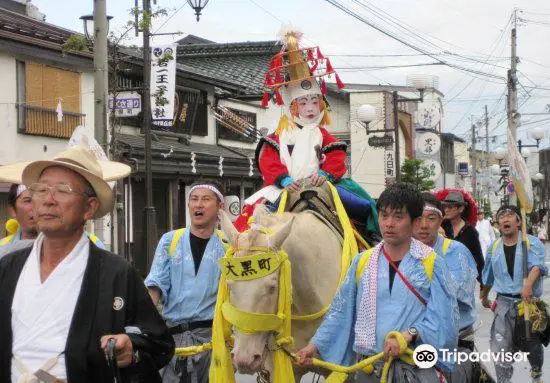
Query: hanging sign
[[163, 84], [128, 104], [428, 143], [380, 141], [389, 163], [434, 167]]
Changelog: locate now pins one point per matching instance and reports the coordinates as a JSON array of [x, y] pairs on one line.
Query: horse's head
[[259, 293]]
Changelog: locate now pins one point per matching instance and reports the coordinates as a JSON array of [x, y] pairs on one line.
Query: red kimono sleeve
[[335, 156], [271, 167]]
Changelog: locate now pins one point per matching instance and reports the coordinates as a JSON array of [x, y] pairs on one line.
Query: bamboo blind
[[45, 86]]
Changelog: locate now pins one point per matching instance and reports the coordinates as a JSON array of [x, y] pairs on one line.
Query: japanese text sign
[[251, 267], [163, 84]]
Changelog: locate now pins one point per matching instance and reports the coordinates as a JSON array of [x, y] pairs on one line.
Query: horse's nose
[[246, 362]]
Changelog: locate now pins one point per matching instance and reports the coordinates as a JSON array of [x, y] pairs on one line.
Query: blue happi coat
[[463, 269], [437, 323], [495, 272], [187, 297]]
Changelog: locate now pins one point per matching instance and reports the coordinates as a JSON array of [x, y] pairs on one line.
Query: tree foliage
[[416, 173]]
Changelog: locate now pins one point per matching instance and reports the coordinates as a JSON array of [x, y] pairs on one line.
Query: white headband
[[20, 189], [209, 187], [434, 209]]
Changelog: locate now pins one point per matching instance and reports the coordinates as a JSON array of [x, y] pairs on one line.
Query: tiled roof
[[21, 27], [241, 64], [164, 146], [192, 39]]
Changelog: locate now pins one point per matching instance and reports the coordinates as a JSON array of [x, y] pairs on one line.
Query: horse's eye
[[272, 289]]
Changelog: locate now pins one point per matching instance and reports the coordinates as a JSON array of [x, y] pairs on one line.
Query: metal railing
[[41, 121]]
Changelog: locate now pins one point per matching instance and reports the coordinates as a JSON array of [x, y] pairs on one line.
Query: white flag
[[519, 175]]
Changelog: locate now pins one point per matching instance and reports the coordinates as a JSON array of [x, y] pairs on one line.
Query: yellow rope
[[183, 352], [340, 373]]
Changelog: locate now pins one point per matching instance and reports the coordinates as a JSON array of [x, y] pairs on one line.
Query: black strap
[[405, 281], [112, 362], [183, 327]]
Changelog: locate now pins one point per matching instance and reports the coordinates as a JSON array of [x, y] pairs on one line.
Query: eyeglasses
[[59, 192]]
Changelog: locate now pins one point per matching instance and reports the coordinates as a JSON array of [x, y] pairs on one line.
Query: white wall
[[367, 163], [17, 147]]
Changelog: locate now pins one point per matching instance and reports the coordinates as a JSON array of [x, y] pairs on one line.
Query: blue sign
[[463, 168]]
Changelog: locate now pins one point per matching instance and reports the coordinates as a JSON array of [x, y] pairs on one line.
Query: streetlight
[[538, 134], [198, 6], [499, 154], [88, 23], [366, 113], [539, 176], [525, 152]]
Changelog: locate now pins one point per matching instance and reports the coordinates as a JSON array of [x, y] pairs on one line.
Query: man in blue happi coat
[[400, 285], [463, 270], [184, 276], [503, 273]]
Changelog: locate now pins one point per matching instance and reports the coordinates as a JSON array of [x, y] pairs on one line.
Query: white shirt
[[486, 235], [42, 312]]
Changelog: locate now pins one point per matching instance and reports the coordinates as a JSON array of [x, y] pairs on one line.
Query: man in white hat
[[185, 276], [62, 299]]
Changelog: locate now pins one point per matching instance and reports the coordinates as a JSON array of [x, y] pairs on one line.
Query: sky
[[472, 35]]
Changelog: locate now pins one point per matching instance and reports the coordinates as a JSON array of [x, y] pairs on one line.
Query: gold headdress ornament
[[295, 70]]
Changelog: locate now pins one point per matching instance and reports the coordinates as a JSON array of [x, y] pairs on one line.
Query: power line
[[404, 42]]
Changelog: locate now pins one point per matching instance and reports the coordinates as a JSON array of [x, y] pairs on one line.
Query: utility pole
[[149, 209], [101, 72], [487, 186], [474, 161], [512, 82], [396, 133]]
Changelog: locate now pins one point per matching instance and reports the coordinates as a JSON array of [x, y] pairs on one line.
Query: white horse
[[314, 251]]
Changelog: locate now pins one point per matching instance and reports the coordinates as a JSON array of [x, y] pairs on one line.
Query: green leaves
[[416, 173]]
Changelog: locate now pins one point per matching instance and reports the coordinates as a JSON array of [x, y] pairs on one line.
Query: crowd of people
[[65, 300]]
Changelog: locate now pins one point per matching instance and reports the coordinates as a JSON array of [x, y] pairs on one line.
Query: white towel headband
[[209, 187]]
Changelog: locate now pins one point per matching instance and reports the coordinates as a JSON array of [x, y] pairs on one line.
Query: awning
[[170, 157]]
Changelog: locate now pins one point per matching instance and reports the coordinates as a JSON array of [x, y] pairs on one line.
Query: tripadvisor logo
[[425, 356]]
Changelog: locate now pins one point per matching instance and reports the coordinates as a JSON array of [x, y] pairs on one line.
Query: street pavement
[[483, 330]]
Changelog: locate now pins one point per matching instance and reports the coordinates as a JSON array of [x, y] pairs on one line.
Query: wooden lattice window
[[41, 87]]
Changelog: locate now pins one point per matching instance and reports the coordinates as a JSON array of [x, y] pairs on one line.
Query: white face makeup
[[309, 106]]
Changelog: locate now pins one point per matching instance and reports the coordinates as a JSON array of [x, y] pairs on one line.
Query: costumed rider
[[301, 147]]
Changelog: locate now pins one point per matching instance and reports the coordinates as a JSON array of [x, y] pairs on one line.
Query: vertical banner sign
[[389, 164], [163, 84]]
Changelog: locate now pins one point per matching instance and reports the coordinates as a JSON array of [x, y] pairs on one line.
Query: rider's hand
[[316, 180], [305, 355], [295, 186], [124, 350]]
